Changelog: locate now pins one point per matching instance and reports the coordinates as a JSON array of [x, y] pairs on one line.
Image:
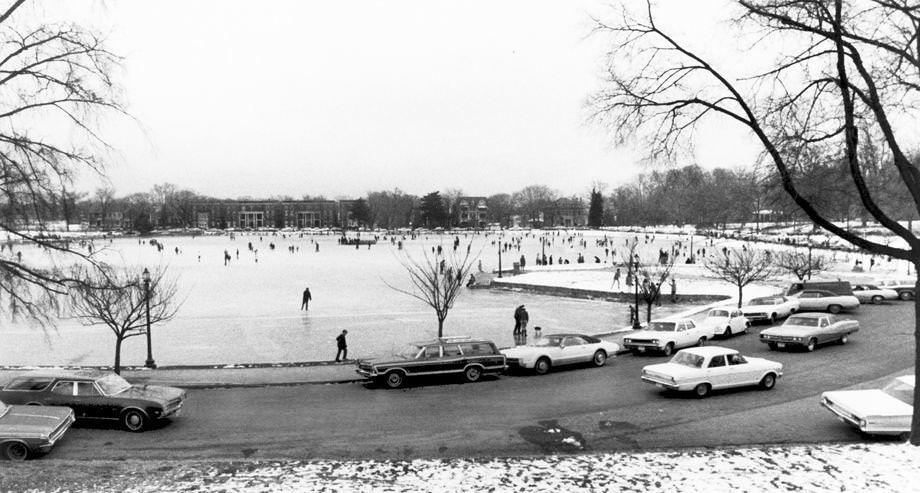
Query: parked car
[[470, 358], [667, 335], [94, 394], [885, 411], [26, 430], [808, 330], [870, 293], [769, 308], [560, 349], [836, 287], [904, 287], [825, 301], [726, 321], [704, 369]]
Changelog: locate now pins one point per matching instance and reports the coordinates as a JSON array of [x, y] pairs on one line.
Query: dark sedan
[[26, 430], [96, 395]]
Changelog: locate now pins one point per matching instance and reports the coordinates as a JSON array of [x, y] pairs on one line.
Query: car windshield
[[763, 301], [718, 313], [112, 384], [900, 391], [408, 352], [688, 359], [803, 321], [548, 341], [662, 326]]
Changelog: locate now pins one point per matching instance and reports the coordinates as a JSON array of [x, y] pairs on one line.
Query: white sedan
[[560, 349], [770, 308], [825, 301], [667, 335], [870, 293], [726, 321], [885, 411], [704, 369]]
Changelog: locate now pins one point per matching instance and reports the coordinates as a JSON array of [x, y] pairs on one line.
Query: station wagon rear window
[[29, 383]]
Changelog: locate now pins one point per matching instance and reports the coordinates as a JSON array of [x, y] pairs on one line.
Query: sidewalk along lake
[[249, 310]]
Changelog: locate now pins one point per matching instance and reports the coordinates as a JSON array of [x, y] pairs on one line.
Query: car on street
[[825, 301], [95, 394], [870, 293], [667, 335], [704, 369], [809, 330], [769, 308], [726, 321], [448, 356], [552, 350], [27, 430], [885, 411], [904, 287]]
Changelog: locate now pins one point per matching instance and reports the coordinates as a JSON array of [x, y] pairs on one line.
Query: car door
[[451, 358], [61, 394], [91, 403], [741, 372], [718, 373], [571, 349], [808, 301], [826, 330], [738, 322]]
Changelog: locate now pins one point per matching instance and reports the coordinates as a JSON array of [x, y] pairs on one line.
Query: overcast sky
[[341, 97]]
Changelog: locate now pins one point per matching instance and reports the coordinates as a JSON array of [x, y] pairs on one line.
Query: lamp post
[[499, 257], [146, 277], [636, 324]]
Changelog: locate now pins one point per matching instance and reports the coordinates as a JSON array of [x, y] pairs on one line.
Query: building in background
[[254, 214], [472, 212]]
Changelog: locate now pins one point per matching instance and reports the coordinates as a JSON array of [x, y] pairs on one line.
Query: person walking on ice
[[343, 347], [305, 301], [616, 279]]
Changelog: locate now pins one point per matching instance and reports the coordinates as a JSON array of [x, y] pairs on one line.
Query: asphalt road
[[574, 410]]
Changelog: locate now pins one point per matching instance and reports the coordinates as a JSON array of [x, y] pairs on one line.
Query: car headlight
[[654, 341], [627, 341]]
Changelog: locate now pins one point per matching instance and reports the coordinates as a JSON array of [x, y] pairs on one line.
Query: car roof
[[66, 374], [450, 340], [672, 319], [709, 351], [808, 315], [566, 334]]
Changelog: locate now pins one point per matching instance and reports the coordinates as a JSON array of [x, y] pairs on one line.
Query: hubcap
[[17, 451]]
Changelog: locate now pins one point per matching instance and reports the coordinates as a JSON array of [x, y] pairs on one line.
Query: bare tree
[[117, 298], [740, 267], [653, 277], [847, 69], [801, 264], [437, 279], [56, 76]]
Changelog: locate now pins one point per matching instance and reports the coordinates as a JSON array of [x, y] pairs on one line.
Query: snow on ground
[[801, 468]]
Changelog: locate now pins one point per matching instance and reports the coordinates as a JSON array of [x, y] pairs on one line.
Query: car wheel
[[395, 379], [772, 318], [904, 436], [877, 300], [844, 338], [772, 346], [702, 390], [728, 332], [812, 344], [600, 358], [542, 366], [668, 349], [133, 420], [472, 373], [701, 341], [16, 451], [768, 381], [834, 308], [906, 295]]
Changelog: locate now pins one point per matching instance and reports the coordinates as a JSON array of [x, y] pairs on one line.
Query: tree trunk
[[648, 312], [118, 342], [740, 287], [915, 422], [440, 327]]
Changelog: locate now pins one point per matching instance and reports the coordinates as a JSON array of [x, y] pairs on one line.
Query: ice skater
[[305, 301], [616, 279], [343, 347]]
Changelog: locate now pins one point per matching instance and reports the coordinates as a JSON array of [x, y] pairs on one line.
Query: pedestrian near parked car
[[343, 347], [673, 290], [305, 302]]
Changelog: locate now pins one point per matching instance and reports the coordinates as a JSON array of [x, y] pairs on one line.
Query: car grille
[[770, 337], [756, 315], [642, 341], [172, 405], [366, 367]]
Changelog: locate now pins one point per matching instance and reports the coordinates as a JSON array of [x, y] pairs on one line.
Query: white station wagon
[[885, 411], [704, 369]]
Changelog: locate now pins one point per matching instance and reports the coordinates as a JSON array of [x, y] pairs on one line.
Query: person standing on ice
[[343, 347], [305, 302]]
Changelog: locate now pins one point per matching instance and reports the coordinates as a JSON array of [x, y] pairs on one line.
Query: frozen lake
[[248, 311]]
